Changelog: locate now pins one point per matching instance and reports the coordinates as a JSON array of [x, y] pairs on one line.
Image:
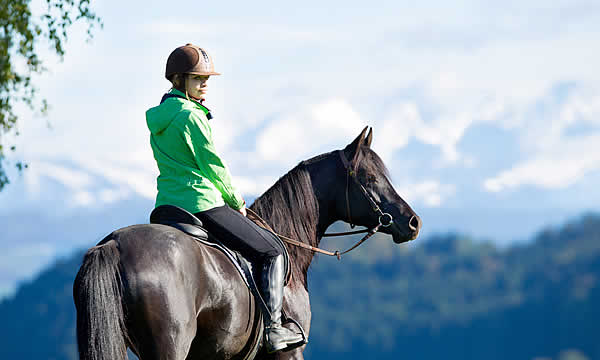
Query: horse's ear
[[369, 138], [352, 149]]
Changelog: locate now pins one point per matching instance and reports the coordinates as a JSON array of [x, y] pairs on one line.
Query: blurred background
[[487, 115]]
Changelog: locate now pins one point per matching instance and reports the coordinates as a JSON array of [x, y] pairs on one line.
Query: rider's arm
[[198, 136]]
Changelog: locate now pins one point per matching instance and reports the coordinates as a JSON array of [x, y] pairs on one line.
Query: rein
[[252, 215], [370, 232]]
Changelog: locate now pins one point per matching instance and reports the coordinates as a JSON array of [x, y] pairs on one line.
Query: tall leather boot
[[273, 276]]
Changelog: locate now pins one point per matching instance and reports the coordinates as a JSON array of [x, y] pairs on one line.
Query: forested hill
[[448, 297]]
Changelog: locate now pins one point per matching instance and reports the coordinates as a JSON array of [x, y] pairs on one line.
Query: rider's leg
[[241, 234], [272, 282]]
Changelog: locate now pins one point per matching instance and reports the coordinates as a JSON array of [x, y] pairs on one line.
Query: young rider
[[193, 177]]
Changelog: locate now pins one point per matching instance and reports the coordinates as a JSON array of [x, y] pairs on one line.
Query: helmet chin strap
[[185, 85]]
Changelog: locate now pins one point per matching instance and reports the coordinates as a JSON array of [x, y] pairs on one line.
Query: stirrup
[[302, 342], [293, 339], [288, 345]]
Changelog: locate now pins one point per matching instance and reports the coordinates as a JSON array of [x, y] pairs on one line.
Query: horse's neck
[[313, 220], [324, 187], [322, 176]]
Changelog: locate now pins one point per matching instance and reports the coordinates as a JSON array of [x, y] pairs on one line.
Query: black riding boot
[[273, 276]]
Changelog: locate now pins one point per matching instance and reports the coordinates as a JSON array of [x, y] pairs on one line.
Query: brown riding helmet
[[190, 59]]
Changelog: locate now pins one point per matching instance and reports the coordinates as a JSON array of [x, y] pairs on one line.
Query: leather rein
[[385, 219]]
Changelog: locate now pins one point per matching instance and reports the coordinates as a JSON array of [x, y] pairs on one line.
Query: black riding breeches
[[239, 233]]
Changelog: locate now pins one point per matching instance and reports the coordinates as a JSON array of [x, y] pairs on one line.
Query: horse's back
[[178, 288]]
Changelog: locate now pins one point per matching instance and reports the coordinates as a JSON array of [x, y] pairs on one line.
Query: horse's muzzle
[[414, 226]]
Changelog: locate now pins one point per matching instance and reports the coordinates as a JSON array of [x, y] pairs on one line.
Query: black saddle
[[179, 218]]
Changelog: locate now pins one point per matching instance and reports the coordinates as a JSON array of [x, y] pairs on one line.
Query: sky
[[486, 114]]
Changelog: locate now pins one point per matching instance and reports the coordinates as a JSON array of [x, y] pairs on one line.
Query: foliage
[[448, 297], [20, 37], [41, 316], [453, 297]]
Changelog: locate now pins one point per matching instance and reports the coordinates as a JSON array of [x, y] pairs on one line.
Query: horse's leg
[[297, 306], [226, 316], [162, 325], [159, 293]]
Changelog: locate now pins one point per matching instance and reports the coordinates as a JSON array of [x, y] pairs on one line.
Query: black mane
[[290, 207]]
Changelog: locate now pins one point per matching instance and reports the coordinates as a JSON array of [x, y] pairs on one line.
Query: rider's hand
[[242, 210]]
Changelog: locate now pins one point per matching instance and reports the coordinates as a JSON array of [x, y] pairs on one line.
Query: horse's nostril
[[414, 223]]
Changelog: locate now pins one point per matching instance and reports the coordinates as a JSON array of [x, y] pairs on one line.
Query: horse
[[159, 292]]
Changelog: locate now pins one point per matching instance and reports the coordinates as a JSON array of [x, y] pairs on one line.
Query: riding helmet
[[190, 59]]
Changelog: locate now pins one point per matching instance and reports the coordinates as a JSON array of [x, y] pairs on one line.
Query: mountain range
[[60, 205]]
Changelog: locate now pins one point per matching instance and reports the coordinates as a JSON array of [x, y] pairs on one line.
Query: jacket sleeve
[[198, 136]]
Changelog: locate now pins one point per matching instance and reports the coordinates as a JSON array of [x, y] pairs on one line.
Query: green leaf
[[19, 36]]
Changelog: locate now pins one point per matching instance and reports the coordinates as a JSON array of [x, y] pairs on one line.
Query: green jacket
[[192, 175]]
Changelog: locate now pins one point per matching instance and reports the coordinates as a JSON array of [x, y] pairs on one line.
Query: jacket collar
[[180, 94]]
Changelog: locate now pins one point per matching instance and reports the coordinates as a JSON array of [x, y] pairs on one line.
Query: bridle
[[385, 219], [351, 174]]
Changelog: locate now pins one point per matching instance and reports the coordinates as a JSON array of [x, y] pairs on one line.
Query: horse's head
[[367, 188]]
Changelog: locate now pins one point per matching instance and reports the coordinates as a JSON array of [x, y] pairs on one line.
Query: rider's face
[[196, 86]]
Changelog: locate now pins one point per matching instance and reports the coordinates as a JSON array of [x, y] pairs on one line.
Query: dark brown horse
[[156, 290]]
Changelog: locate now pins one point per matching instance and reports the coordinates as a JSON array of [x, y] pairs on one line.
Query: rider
[[193, 177]]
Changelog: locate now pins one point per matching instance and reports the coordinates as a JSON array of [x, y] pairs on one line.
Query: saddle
[[185, 221]]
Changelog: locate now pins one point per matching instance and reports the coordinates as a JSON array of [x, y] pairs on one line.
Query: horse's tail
[[101, 330]]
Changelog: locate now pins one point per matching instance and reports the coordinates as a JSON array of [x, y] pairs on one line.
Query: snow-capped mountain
[[55, 207]]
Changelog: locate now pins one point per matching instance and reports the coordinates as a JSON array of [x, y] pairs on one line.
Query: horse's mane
[[291, 208]]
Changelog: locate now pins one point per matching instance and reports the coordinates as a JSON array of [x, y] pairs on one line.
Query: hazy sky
[[487, 114]]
